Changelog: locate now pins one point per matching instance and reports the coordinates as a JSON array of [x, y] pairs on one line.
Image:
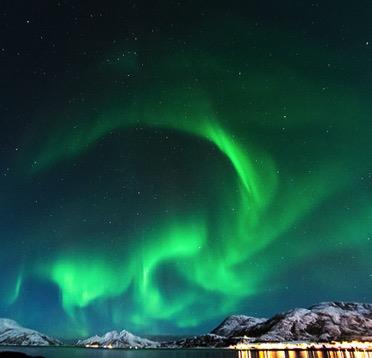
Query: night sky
[[164, 164]]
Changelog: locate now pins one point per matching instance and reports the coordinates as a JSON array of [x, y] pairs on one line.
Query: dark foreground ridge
[[7, 354]]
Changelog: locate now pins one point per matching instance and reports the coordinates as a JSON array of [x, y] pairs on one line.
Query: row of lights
[[352, 345]]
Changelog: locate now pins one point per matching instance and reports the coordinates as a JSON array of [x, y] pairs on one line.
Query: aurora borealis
[[165, 165]]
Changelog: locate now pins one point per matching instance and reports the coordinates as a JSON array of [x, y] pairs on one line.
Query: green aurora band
[[182, 240], [228, 267]]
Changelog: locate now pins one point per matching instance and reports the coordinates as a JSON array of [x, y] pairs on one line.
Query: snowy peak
[[362, 308], [11, 333], [6, 323], [115, 339], [232, 325]]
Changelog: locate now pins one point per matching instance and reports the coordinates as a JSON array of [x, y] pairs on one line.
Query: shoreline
[[264, 346]]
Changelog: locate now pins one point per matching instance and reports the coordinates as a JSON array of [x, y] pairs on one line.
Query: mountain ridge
[[322, 322], [115, 339], [12, 333]]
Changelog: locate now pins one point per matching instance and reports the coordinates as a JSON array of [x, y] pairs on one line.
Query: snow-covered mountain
[[326, 321], [115, 339], [11, 333], [233, 325], [323, 322]]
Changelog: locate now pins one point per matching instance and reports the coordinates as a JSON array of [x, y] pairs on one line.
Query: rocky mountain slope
[[328, 321], [325, 322], [233, 325], [114, 339], [11, 333], [205, 340]]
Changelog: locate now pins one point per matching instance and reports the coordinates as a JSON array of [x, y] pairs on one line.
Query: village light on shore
[[351, 345], [92, 346]]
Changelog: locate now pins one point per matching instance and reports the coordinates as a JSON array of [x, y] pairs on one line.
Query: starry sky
[[165, 164]]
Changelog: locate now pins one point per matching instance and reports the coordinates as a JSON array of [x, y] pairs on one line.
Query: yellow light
[[345, 345], [91, 346]]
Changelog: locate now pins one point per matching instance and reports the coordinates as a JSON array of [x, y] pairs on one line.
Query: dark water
[[65, 352]]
